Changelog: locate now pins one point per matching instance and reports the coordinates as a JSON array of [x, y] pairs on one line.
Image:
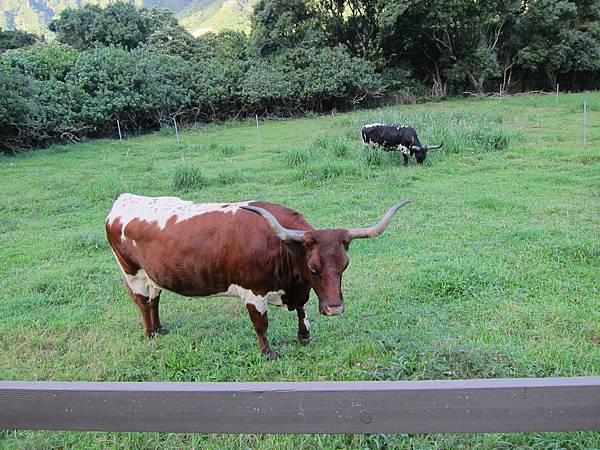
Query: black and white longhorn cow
[[394, 136]]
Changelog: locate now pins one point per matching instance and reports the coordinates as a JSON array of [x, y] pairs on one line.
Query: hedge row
[[52, 92]]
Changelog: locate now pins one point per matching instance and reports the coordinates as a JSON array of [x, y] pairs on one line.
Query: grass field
[[492, 271]]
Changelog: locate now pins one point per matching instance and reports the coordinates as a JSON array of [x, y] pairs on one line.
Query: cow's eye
[[314, 271]]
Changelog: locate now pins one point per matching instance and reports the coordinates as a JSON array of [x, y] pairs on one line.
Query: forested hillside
[[139, 66], [196, 15]]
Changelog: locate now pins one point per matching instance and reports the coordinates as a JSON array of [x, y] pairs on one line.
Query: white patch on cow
[[160, 209], [140, 283], [249, 298], [306, 323], [398, 126], [405, 150], [373, 125]]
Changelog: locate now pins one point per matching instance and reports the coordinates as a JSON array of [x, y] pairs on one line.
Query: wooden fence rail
[[522, 404]]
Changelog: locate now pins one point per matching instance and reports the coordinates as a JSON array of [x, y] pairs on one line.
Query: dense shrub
[[314, 79], [139, 88], [42, 61], [17, 106]]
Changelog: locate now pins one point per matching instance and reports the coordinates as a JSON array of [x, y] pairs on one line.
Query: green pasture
[[493, 270]]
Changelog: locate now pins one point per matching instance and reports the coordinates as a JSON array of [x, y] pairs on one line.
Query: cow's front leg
[[143, 303], [405, 154], [303, 326], [260, 322]]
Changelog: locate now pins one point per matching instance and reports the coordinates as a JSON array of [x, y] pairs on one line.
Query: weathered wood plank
[[504, 405]]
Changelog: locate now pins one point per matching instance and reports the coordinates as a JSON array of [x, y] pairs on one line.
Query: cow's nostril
[[333, 310]]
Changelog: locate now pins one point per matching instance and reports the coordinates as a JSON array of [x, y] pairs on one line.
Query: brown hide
[[207, 253], [206, 249]]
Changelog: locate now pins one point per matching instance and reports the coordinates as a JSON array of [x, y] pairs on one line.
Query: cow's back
[[390, 135]]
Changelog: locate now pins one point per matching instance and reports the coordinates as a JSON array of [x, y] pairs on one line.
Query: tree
[[558, 37], [357, 23], [119, 24], [466, 35], [172, 40], [278, 24], [226, 45], [11, 39]]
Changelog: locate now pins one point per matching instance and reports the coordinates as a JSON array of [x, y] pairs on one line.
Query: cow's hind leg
[[149, 314], [157, 328], [260, 322]]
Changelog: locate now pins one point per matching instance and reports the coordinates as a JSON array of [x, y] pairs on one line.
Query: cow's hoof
[[161, 330], [272, 355], [304, 340]]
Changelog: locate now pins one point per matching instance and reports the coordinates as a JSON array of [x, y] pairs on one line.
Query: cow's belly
[[141, 283], [260, 302]]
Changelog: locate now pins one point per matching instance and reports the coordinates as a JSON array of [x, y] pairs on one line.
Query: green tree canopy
[[558, 37], [11, 39], [119, 24]]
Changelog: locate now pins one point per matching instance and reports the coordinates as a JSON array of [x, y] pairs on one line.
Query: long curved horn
[[376, 230], [280, 231], [412, 146], [433, 147]]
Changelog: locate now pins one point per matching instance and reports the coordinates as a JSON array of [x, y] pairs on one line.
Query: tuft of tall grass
[[212, 146], [187, 177], [295, 157], [228, 177], [90, 239], [340, 149], [166, 130], [321, 142], [372, 156], [231, 149], [225, 149]]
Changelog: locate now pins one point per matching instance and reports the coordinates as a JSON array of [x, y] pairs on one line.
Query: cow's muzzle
[[331, 310]]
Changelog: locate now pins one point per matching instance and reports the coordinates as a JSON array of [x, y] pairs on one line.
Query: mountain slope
[[197, 16]]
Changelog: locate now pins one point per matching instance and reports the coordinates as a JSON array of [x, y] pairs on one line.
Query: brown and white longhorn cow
[[202, 249]]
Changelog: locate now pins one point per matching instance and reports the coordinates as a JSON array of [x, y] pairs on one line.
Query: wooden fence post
[[585, 124], [176, 130]]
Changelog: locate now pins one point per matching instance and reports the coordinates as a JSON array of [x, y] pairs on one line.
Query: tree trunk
[[551, 78], [476, 83]]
